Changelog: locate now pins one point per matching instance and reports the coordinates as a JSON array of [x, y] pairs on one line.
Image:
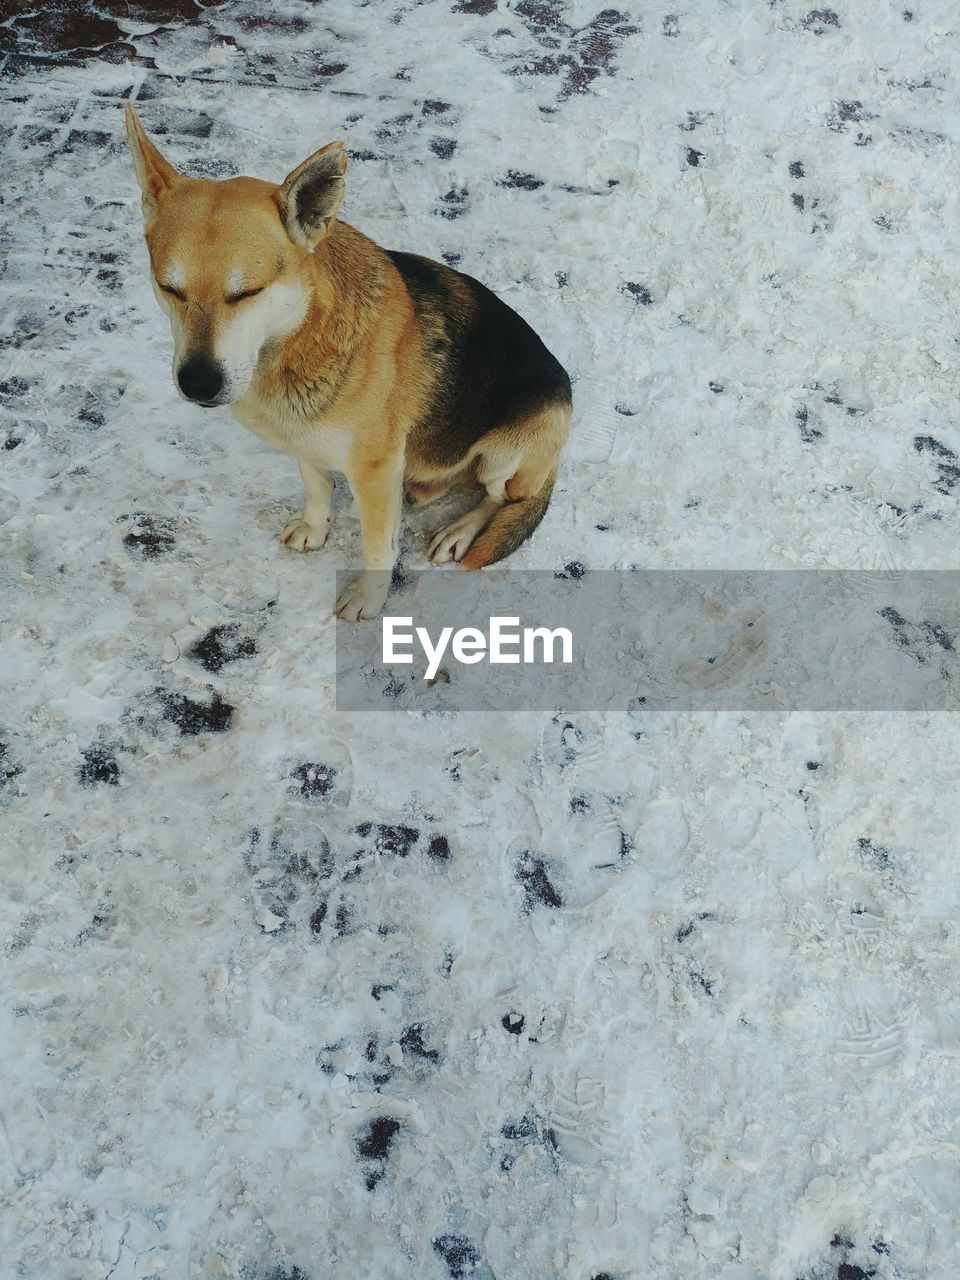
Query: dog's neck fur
[[344, 278]]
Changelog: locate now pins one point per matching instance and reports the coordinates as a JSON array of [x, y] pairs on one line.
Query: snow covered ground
[[290, 994]]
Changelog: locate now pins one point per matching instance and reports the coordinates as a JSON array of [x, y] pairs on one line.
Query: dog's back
[[487, 367]]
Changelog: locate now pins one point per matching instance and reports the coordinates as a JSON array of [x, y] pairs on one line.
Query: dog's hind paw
[[453, 541], [299, 536]]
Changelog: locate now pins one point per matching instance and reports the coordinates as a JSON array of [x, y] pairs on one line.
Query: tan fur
[[342, 378], [509, 527]]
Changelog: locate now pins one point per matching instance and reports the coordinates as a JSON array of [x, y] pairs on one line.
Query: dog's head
[[227, 260]]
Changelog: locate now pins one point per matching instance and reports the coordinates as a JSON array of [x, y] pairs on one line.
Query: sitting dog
[[395, 370]]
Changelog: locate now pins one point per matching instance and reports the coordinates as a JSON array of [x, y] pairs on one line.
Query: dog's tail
[[510, 527]]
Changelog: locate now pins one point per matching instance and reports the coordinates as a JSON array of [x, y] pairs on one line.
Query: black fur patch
[[489, 366]]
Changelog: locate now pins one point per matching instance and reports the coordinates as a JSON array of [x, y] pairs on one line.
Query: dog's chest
[[326, 444]]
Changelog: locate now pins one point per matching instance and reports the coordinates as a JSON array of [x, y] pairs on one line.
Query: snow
[[291, 993]]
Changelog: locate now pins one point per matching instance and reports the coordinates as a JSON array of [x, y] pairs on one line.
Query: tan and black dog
[[395, 370]]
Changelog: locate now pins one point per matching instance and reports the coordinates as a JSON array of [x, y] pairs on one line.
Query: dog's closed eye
[[174, 293], [247, 293]]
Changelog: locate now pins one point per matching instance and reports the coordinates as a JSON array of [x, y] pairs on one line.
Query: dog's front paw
[[363, 598], [299, 536]]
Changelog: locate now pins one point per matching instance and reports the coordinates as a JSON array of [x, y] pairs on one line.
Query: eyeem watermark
[[503, 642], [643, 640]]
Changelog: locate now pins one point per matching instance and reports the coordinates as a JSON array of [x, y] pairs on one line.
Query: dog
[[399, 372]]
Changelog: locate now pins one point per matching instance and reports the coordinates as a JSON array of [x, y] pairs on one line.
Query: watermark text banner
[[733, 640]]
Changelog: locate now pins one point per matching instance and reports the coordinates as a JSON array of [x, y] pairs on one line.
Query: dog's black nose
[[200, 380]]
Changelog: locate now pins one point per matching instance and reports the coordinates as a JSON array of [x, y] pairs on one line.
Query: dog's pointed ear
[[154, 173], [310, 196]]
